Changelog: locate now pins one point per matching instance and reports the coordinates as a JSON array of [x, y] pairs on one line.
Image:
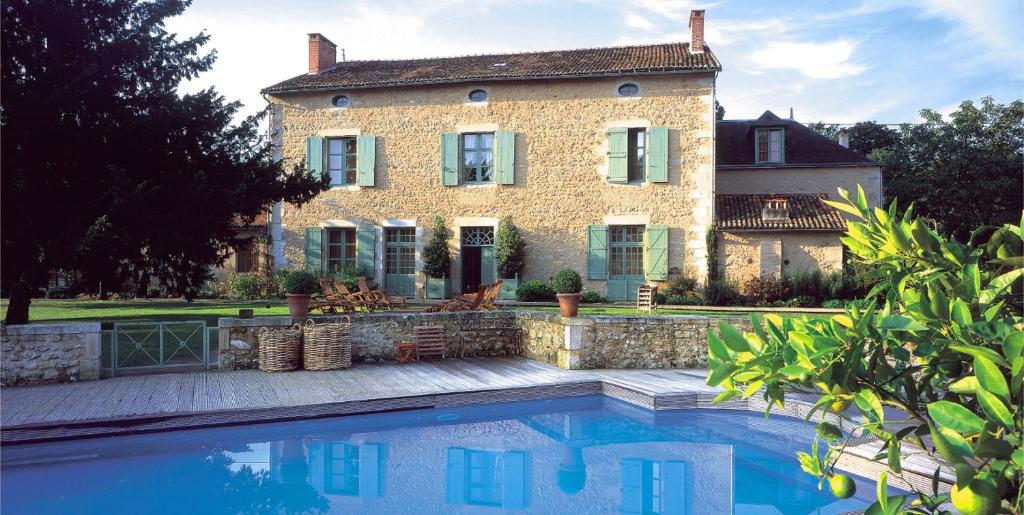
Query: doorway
[[477, 256]]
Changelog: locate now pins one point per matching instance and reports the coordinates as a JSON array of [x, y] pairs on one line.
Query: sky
[[834, 61]]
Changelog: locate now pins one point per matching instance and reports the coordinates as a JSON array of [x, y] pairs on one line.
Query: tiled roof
[[734, 145], [806, 213], [588, 62]]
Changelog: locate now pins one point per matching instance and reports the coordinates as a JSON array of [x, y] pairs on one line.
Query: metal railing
[[142, 346]]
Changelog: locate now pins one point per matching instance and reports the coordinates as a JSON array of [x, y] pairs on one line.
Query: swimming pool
[[588, 454]]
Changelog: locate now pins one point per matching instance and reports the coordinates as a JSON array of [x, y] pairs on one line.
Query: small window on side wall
[[477, 95], [769, 146], [341, 101], [629, 90]]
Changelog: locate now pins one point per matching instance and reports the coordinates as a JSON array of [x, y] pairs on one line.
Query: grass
[[51, 310]]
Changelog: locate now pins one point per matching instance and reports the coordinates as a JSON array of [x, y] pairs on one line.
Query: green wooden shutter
[[366, 159], [597, 252], [313, 250], [366, 238], [657, 155], [315, 155], [505, 166], [657, 252], [487, 265], [450, 159], [618, 155]]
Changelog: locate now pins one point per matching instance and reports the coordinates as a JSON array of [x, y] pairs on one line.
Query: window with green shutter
[[505, 165], [636, 142], [341, 160], [597, 252], [477, 158], [657, 154], [366, 239], [450, 159], [657, 252], [341, 249], [313, 250], [618, 154], [366, 159], [315, 155]]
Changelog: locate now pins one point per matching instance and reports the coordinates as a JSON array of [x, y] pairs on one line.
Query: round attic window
[[341, 101], [629, 90], [477, 95]]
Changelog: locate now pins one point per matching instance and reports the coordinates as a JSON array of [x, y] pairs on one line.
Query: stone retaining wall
[[570, 343], [49, 353]]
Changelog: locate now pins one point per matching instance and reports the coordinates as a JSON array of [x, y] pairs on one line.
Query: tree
[[510, 249], [719, 111], [864, 137], [963, 173], [107, 169], [829, 130], [437, 257], [944, 350]]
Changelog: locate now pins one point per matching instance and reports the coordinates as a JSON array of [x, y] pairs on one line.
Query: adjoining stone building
[[771, 175], [603, 157]]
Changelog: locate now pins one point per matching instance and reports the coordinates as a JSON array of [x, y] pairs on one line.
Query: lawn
[[45, 310]]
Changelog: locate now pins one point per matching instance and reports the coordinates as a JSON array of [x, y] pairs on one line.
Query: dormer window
[[775, 210], [768, 146]]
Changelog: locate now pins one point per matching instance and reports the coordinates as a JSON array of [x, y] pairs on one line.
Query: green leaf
[[901, 323], [868, 402], [894, 504], [843, 206], [882, 491], [717, 347], [793, 371], [829, 432], [974, 350], [961, 313], [733, 338], [994, 408], [1013, 346], [950, 444], [991, 378], [966, 384], [721, 373], [998, 285], [1018, 458], [752, 388], [956, 417], [724, 396], [894, 457]]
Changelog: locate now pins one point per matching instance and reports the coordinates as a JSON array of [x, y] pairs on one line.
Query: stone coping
[[65, 328]]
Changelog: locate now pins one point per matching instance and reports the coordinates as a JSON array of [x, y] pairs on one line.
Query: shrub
[[834, 303], [660, 298], [153, 292], [719, 292], [301, 282], [567, 280], [275, 288], [679, 285], [437, 257], [763, 291], [683, 300], [349, 276], [592, 297], [213, 288], [535, 291], [939, 343], [246, 286], [806, 284], [509, 250]]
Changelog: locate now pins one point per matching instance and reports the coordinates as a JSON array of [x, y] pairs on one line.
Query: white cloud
[[817, 60], [678, 10], [729, 32], [638, 22], [997, 22]]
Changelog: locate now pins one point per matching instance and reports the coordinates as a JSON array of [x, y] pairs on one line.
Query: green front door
[[625, 261], [400, 261]]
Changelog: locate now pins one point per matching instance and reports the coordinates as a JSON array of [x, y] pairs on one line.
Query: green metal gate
[[152, 345]]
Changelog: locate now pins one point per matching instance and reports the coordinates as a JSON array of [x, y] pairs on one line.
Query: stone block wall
[[49, 353], [570, 343]]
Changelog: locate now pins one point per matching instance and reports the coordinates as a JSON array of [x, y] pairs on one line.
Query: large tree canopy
[[107, 169], [960, 173]]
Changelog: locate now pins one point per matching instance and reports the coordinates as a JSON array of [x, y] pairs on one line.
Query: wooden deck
[[153, 401]]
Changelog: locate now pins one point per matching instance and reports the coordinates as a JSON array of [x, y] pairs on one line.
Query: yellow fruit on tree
[[842, 486], [977, 498]]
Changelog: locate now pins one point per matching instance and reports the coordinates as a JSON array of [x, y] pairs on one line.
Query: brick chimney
[[322, 53], [697, 31]]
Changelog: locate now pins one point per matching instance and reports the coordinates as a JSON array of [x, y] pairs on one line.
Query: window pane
[[486, 140], [350, 145], [334, 162], [335, 146], [469, 141], [485, 174], [486, 158], [334, 236]]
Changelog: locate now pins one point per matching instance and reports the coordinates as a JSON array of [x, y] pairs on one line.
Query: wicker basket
[[327, 346], [280, 349]]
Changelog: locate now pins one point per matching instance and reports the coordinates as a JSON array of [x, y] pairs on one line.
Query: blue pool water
[[570, 455]]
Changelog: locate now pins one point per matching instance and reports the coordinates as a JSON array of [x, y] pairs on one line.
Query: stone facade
[[50, 353], [571, 343], [819, 179], [750, 254], [561, 183]]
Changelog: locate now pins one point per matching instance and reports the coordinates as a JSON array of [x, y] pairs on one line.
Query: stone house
[[770, 177], [249, 252], [603, 157]]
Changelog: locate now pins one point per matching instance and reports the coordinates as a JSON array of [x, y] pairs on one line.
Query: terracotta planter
[[569, 303], [298, 304]]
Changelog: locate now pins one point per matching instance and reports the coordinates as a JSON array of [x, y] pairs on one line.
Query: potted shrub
[[437, 261], [298, 287], [510, 255], [568, 284]]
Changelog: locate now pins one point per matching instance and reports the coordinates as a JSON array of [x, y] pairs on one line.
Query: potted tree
[[437, 260], [568, 284], [299, 286], [510, 254]]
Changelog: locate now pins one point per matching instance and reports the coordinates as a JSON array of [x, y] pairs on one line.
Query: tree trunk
[[17, 310]]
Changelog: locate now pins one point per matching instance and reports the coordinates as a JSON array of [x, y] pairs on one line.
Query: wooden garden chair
[[328, 301], [429, 340], [358, 300], [491, 297], [460, 303], [378, 297]]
